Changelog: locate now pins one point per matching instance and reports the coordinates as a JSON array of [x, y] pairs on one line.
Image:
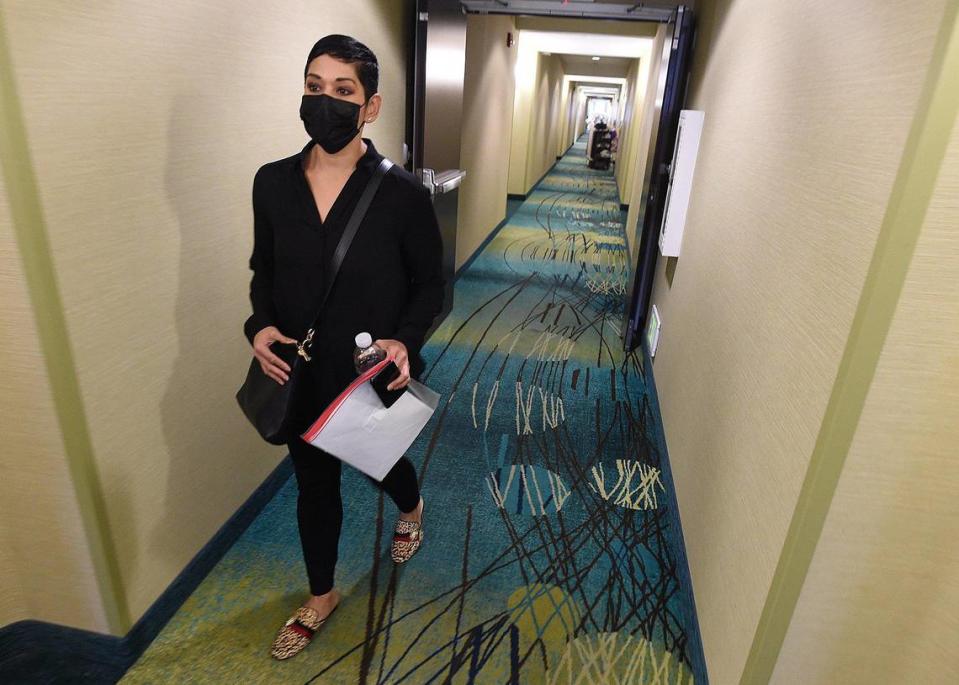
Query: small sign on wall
[[652, 331]]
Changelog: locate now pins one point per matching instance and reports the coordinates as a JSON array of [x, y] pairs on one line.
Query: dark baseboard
[[550, 170], [523, 196], [516, 197], [37, 652], [509, 196], [482, 246]]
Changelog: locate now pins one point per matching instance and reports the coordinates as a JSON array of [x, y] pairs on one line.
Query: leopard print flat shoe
[[407, 536], [297, 632]]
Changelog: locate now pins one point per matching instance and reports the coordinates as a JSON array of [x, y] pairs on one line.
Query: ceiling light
[[595, 59]]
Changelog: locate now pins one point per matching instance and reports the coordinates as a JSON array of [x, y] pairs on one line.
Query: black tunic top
[[389, 284]]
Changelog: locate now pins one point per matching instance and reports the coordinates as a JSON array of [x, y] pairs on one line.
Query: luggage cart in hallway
[[599, 149]]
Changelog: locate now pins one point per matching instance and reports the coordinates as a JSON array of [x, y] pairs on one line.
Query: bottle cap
[[363, 340]]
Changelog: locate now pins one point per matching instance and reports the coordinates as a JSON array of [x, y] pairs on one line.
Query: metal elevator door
[[439, 62]]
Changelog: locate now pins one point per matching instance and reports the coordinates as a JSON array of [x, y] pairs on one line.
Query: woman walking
[[390, 284]]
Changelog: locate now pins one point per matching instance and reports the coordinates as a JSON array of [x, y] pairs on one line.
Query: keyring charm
[[300, 347]]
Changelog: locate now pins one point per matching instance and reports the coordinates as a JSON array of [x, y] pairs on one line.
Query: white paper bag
[[359, 430]]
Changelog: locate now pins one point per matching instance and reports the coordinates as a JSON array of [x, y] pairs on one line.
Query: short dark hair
[[349, 50]]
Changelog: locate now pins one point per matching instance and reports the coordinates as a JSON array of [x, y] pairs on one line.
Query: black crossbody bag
[[266, 403]]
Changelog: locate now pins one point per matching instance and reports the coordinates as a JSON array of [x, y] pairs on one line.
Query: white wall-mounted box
[[680, 181]]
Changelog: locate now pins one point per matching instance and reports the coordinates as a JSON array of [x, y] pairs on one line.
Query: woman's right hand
[[272, 366]]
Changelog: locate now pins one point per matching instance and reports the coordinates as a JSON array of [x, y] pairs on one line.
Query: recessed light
[[595, 58]]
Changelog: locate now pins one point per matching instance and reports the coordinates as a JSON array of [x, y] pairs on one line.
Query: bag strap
[[359, 211]]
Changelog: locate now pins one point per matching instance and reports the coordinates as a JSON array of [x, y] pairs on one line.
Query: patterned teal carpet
[[552, 551]]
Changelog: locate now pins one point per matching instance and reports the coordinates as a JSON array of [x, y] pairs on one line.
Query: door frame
[[680, 44]]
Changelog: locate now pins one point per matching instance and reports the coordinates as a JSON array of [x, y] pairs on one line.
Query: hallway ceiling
[[606, 66], [609, 46], [597, 86], [609, 9]]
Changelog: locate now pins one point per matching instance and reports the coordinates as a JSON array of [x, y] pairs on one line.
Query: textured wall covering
[[575, 114], [146, 123], [488, 90], [536, 122], [525, 71], [42, 541], [881, 601], [639, 140], [632, 96], [544, 132], [807, 110]]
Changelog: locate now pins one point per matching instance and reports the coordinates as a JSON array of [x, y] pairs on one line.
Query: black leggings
[[319, 508]]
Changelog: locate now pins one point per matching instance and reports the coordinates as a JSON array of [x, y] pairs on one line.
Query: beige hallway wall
[[573, 105], [527, 62], [146, 123], [536, 121], [798, 156], [579, 119], [488, 89], [544, 132], [574, 113], [634, 134], [563, 116], [881, 601], [46, 569], [632, 119], [641, 143]]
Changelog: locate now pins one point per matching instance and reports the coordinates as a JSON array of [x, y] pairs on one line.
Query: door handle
[[442, 182]]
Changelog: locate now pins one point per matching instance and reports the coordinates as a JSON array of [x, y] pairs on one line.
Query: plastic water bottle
[[366, 354]]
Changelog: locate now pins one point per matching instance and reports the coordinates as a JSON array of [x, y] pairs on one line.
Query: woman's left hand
[[396, 350]]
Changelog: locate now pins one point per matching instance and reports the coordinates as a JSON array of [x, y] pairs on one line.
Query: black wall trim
[[482, 246], [548, 171], [523, 196], [40, 652]]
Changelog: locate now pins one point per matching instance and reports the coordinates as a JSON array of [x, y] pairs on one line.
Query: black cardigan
[[389, 284]]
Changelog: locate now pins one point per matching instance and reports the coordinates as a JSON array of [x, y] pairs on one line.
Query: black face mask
[[331, 122]]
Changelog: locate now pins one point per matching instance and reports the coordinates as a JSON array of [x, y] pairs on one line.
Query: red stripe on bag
[[327, 414]]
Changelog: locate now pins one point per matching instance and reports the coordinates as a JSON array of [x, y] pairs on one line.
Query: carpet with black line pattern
[[552, 548]]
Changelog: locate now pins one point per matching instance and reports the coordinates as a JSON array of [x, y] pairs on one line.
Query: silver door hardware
[[443, 182]]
